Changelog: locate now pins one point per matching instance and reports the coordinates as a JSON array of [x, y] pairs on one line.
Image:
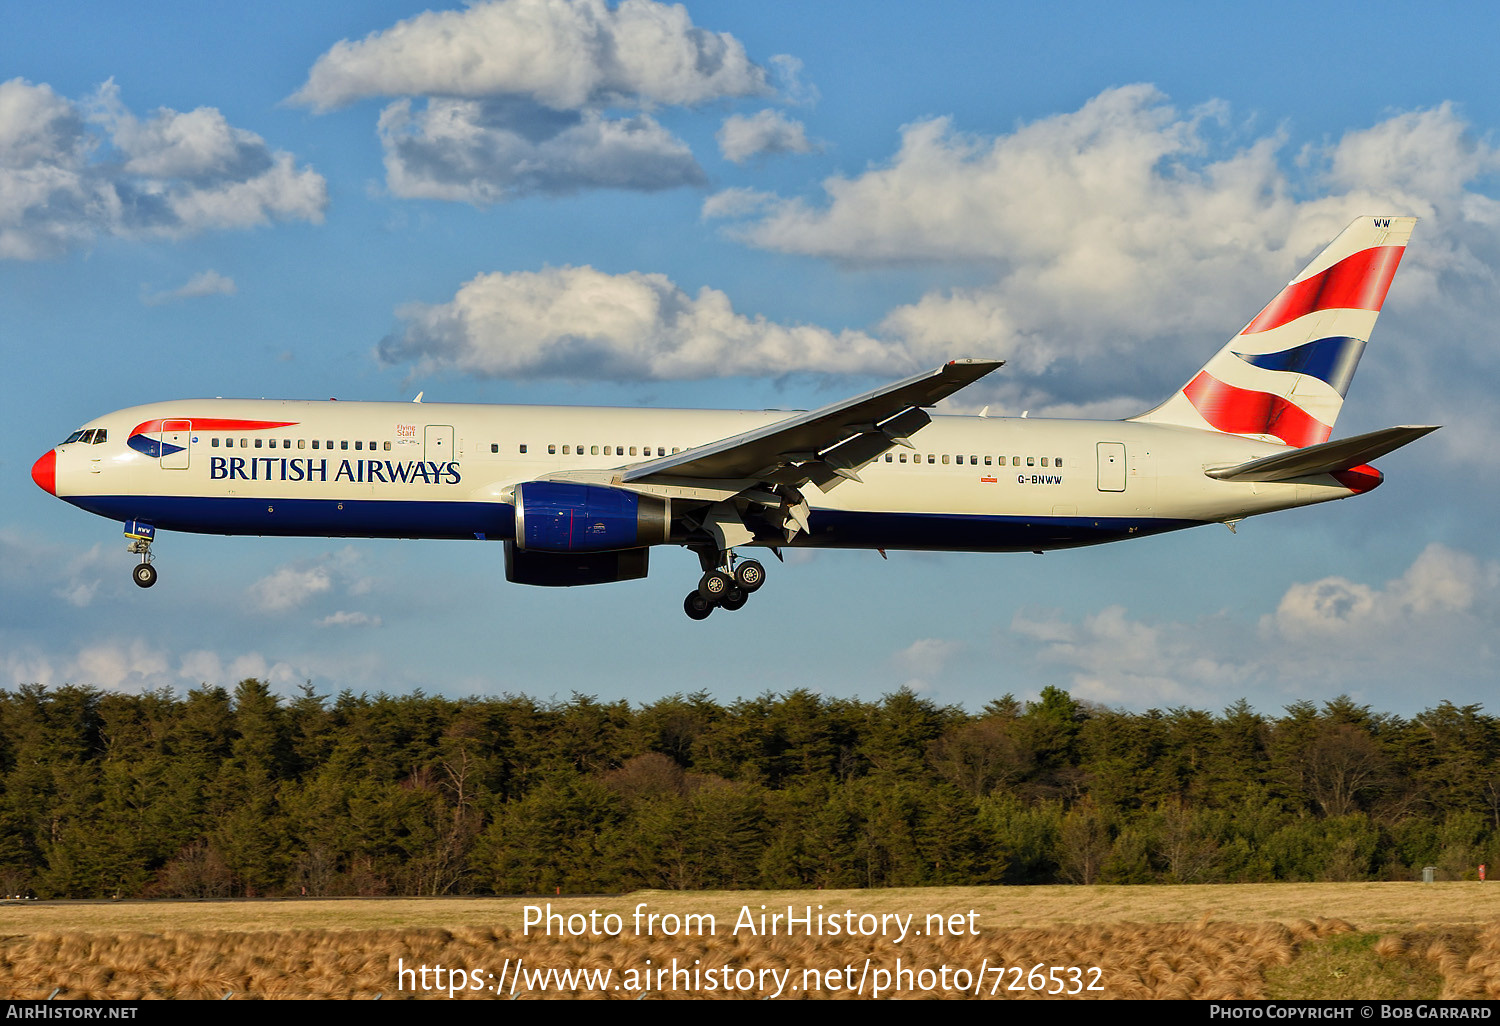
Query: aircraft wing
[[823, 445], [1327, 458]]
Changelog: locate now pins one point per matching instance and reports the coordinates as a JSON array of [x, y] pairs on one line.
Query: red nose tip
[[44, 472]]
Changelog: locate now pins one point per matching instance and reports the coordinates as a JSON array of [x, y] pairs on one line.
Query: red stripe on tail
[[1241, 411], [1357, 282]]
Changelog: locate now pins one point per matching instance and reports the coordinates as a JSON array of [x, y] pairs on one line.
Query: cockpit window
[[75, 436], [100, 434]]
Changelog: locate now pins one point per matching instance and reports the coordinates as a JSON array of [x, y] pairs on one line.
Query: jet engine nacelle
[[562, 516]]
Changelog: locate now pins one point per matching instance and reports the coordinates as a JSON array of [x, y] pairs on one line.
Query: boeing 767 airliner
[[580, 494]]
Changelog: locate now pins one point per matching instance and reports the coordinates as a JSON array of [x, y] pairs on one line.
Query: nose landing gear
[[141, 535], [723, 584]]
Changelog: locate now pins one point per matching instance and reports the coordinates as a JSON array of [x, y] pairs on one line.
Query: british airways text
[[272, 468]]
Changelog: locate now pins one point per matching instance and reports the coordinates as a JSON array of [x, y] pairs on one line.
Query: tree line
[[217, 793]]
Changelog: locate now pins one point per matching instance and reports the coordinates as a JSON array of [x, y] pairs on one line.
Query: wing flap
[[1327, 458]]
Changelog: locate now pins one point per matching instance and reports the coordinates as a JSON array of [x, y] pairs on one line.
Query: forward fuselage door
[[1111, 466], [438, 443], [175, 444]]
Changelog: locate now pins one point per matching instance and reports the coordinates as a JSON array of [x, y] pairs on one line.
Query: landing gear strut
[[141, 535], [726, 583]]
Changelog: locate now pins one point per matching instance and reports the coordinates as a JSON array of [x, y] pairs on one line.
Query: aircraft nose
[[44, 472]]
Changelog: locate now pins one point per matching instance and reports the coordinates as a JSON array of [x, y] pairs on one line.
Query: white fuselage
[[439, 470]]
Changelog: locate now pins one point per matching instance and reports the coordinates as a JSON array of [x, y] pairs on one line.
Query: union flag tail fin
[[1284, 377]]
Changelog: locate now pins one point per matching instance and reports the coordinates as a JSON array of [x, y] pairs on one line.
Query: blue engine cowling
[[560, 516]]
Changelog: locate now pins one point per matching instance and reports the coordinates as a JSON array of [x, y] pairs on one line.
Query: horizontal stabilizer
[[1327, 458]]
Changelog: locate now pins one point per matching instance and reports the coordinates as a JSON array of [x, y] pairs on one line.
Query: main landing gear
[[724, 585]]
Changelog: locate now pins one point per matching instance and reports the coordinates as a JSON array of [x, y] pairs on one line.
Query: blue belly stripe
[[392, 518]]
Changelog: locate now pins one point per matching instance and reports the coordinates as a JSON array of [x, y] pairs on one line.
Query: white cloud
[[204, 283], [1440, 585], [925, 659], [564, 54], [1128, 227], [1325, 636], [202, 666], [517, 93], [134, 665], [736, 202], [292, 585], [344, 618], [72, 172], [289, 587], [769, 131], [486, 152], [1116, 659], [578, 322]]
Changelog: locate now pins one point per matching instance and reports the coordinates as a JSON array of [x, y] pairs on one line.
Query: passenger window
[[302, 443], [1015, 461], [315, 443], [494, 447], [214, 442], [567, 450], [552, 450], [593, 450], [945, 459], [931, 459], [1057, 462], [661, 450], [258, 442], [1044, 461], [675, 450], [632, 450], [244, 443], [889, 458], [387, 446], [329, 444], [523, 448], [903, 457], [1031, 461], [987, 461], [359, 445], [344, 444]]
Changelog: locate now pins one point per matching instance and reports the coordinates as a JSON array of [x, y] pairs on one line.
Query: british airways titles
[[296, 468]]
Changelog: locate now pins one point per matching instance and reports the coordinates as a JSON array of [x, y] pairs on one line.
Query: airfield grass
[[1363, 940]]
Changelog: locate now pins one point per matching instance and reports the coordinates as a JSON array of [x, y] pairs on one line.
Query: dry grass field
[[1239, 941]]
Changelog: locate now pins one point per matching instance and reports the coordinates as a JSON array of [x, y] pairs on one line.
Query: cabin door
[[438, 440], [1111, 466], [175, 444]]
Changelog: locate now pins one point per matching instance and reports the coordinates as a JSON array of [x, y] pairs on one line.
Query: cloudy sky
[[731, 205]]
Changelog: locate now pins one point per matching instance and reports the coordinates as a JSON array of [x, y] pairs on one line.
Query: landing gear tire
[[144, 575], [714, 586], [696, 606], [734, 598], [750, 575]]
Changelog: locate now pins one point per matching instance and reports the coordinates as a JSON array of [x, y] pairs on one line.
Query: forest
[[220, 793]]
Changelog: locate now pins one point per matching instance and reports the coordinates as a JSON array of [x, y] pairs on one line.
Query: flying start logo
[[282, 468]]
